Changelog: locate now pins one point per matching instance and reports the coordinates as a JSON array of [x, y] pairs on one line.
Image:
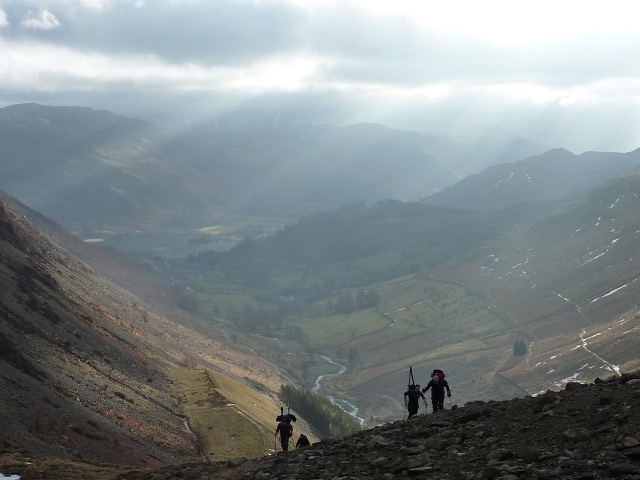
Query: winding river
[[341, 403]]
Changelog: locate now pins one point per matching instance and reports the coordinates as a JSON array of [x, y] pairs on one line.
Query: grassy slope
[[232, 419]]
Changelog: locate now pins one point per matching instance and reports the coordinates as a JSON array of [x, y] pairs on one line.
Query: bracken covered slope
[[87, 369]]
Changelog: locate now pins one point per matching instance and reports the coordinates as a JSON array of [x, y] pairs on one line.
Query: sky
[[564, 72]]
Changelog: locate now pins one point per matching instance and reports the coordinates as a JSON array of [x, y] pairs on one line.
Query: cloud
[[4, 21], [539, 67], [43, 20]]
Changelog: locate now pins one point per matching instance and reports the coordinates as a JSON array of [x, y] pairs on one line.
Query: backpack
[[438, 373], [287, 417]]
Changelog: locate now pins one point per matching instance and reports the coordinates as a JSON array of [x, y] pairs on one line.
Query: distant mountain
[[306, 169], [91, 371], [96, 170], [555, 175], [93, 170]]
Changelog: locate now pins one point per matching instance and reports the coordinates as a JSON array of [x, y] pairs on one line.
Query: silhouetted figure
[[412, 400], [437, 384], [285, 429], [303, 441]]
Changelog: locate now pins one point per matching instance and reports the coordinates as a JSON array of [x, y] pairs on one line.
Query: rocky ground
[[583, 432]]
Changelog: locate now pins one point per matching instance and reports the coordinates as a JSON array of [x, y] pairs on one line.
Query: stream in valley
[[318, 388]]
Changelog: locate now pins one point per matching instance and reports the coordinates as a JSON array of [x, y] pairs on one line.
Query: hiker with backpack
[[284, 428], [437, 385], [412, 400]]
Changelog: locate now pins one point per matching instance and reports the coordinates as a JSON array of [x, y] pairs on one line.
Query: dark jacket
[[285, 429], [413, 396], [437, 389]]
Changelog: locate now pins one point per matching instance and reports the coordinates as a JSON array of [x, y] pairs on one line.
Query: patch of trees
[[519, 348], [328, 419]]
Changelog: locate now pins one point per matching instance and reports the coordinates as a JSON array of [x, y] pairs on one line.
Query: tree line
[[328, 419]]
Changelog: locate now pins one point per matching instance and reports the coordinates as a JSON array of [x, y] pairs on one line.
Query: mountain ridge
[[91, 169], [555, 175]]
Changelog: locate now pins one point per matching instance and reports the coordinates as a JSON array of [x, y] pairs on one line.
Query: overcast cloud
[[565, 73]]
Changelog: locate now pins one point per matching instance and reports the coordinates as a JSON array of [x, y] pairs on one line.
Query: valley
[[168, 327], [463, 315]]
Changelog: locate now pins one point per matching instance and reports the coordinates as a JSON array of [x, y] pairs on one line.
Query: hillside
[[378, 289], [92, 372], [555, 175], [93, 170], [583, 431]]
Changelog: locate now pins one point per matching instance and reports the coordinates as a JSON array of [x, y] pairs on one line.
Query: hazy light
[[542, 94]]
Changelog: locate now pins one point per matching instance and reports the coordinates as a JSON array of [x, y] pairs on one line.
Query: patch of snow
[[503, 180], [572, 378], [594, 258], [593, 336], [613, 291], [614, 368]]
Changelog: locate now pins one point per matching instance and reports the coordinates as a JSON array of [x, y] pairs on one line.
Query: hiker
[[412, 398], [303, 441], [437, 384], [285, 429]]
